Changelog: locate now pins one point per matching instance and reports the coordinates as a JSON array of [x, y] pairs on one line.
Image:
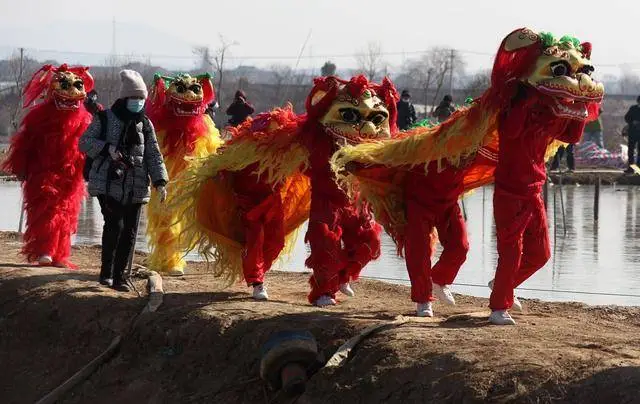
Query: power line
[[577, 292]]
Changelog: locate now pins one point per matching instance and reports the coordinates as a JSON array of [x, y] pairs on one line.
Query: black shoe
[[629, 171], [106, 281], [121, 287]]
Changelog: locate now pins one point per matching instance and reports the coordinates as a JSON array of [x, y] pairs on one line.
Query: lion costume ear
[[208, 92], [520, 38]]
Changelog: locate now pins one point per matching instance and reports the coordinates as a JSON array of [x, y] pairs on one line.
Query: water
[[600, 259]]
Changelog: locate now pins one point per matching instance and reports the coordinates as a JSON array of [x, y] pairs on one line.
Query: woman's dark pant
[[118, 236]]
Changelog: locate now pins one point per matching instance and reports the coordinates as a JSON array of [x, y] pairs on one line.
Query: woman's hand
[[162, 193]]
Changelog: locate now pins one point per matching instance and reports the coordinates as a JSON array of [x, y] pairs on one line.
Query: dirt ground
[[203, 344]]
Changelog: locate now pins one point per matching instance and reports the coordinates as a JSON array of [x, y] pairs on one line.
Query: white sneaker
[[260, 292], [324, 300], [345, 288], [45, 260], [424, 309], [501, 317], [517, 305], [443, 293]]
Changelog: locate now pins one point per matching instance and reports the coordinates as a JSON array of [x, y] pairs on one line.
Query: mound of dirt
[[203, 344]]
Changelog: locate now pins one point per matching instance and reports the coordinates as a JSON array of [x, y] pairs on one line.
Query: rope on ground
[[577, 292], [154, 282]]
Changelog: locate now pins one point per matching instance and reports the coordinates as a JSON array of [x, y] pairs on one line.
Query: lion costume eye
[[78, 84], [64, 84], [561, 68], [377, 118], [181, 88], [350, 115], [196, 88]]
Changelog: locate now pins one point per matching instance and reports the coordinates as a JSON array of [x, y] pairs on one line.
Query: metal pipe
[[564, 219], [596, 201]]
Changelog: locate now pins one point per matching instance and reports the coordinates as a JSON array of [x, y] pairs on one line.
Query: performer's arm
[[153, 158], [90, 143], [573, 133]]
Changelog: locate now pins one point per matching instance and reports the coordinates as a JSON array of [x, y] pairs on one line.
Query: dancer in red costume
[[343, 237], [540, 92], [239, 207], [44, 154], [551, 98]]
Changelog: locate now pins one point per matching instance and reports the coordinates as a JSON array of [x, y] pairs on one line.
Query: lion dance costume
[[44, 153], [184, 130], [539, 94], [242, 206]]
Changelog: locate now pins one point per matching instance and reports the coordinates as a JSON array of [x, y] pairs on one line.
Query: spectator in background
[[593, 131], [91, 103], [240, 109], [571, 163], [632, 118], [445, 109], [406, 111]]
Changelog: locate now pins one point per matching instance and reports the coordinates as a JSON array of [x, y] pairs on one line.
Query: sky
[[271, 32]]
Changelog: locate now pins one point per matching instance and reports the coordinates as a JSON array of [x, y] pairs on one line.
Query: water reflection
[[591, 257]]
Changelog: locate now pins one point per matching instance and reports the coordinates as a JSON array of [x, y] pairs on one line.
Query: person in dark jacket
[[240, 109], [91, 102], [406, 111], [126, 159], [444, 110], [632, 118], [571, 162]]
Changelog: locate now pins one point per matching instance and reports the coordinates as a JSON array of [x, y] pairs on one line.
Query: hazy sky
[[275, 28]]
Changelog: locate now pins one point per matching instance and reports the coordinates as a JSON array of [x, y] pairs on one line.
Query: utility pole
[[113, 36], [451, 72]]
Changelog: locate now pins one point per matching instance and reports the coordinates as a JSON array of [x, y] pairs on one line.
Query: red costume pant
[[343, 240], [264, 230], [523, 243], [418, 250], [52, 208]]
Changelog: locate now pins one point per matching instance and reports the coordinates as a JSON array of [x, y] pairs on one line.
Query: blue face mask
[[135, 105]]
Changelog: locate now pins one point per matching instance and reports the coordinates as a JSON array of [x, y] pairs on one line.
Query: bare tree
[[478, 83], [17, 68], [629, 82], [370, 61], [208, 60]]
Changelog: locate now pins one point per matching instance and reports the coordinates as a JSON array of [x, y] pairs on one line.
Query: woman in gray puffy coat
[[126, 161]]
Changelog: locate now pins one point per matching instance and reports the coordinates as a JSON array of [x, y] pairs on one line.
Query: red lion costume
[[240, 207], [44, 153], [343, 237]]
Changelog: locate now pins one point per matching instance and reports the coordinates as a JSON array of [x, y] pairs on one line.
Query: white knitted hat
[[132, 85]]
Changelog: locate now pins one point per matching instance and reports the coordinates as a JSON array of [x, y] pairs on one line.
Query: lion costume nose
[[368, 128]]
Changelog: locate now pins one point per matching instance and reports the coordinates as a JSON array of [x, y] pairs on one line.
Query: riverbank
[[591, 176], [203, 344]]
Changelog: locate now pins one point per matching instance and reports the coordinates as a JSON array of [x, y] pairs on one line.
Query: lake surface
[[592, 263]]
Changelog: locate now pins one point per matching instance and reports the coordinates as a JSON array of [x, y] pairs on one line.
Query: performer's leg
[[68, 227], [452, 232], [361, 239], [511, 217], [126, 241], [326, 259], [252, 257], [113, 224], [417, 253], [274, 235], [536, 250]]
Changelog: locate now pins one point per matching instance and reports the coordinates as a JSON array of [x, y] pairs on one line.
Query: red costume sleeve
[[573, 133]]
